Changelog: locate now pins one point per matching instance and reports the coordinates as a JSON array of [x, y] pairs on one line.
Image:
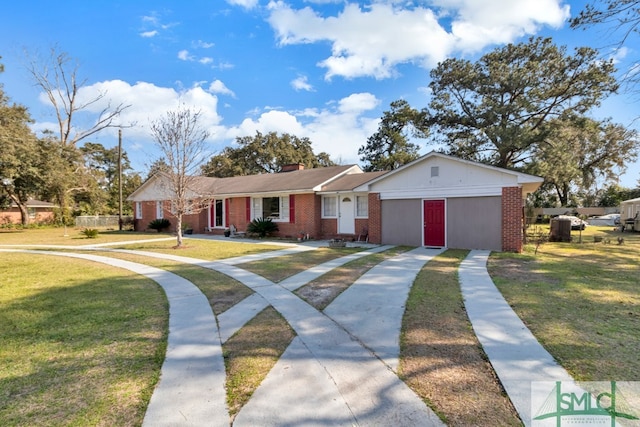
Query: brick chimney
[[292, 167]]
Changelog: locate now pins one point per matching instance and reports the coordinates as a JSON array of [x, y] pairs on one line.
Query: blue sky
[[324, 69]]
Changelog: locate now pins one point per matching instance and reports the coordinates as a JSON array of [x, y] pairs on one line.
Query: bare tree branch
[[58, 78], [182, 142]]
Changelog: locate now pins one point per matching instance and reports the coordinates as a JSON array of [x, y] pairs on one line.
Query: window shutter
[[292, 208], [248, 209], [226, 213]]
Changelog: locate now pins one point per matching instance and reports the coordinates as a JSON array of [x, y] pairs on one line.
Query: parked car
[[576, 223], [603, 220]]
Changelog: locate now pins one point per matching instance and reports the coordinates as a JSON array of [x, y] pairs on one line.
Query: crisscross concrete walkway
[[339, 370]]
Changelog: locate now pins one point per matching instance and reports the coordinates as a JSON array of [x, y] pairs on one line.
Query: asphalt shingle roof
[[351, 181], [306, 180]]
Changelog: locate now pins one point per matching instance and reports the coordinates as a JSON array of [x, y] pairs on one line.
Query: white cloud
[[203, 44], [218, 87], [338, 131], [301, 83], [372, 41], [154, 21], [149, 34], [357, 103], [479, 24], [247, 4], [147, 102], [184, 55], [365, 42], [617, 55]]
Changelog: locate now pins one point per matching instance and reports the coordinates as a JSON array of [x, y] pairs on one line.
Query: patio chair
[[364, 235]]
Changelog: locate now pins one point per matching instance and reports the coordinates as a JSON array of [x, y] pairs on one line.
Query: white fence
[[101, 221]]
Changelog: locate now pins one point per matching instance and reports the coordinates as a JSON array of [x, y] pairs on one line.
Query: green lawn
[[70, 236], [210, 250], [278, 269], [82, 343], [581, 300]]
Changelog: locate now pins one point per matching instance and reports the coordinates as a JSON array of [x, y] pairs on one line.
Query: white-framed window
[[188, 207], [138, 210], [218, 213], [362, 206], [159, 210], [329, 206], [275, 208]]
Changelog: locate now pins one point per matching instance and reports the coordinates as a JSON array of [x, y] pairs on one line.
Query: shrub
[[262, 227], [159, 224], [90, 233]]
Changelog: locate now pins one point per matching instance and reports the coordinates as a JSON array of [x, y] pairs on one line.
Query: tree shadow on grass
[[86, 352]]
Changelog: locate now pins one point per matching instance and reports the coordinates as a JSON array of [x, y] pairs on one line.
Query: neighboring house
[[437, 200], [629, 208], [38, 210]]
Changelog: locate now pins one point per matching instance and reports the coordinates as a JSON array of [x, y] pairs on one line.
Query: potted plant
[[186, 229], [337, 243], [227, 232]]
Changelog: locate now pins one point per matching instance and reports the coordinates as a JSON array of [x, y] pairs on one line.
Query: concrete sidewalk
[[191, 390], [515, 354], [339, 370], [372, 308], [349, 375]]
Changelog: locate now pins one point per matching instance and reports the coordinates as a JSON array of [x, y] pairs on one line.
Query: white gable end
[[157, 188], [438, 176]]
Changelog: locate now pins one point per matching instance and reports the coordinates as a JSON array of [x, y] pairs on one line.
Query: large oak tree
[[498, 109], [581, 150], [21, 157], [264, 153]]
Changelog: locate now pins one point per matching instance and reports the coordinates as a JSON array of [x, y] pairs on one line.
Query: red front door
[[434, 223]]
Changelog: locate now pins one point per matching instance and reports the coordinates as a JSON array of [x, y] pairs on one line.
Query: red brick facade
[[304, 208], [375, 218], [12, 215], [305, 213], [512, 219]]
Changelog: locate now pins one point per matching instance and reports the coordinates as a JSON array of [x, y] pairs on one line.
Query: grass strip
[[71, 236], [440, 356], [210, 250], [581, 301], [278, 269], [321, 292], [82, 343], [250, 354], [222, 291]]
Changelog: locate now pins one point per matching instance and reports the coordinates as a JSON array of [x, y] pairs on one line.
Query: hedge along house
[[292, 198], [442, 201], [437, 201]]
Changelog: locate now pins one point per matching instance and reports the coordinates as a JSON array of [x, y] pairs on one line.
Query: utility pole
[[120, 179]]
